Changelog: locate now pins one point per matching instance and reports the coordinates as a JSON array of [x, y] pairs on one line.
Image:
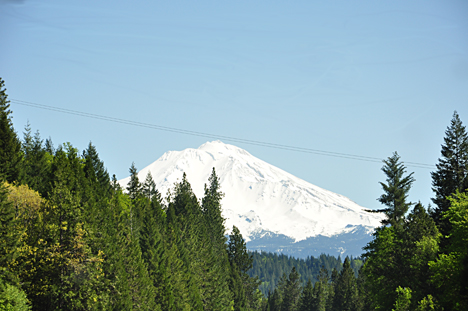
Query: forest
[[72, 239]]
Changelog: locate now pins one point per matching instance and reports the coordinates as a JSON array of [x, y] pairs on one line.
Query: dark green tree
[[395, 190], [452, 172], [241, 261], [214, 224], [10, 145], [306, 302], [149, 187], [95, 173], [134, 185], [346, 291], [36, 163], [292, 292]]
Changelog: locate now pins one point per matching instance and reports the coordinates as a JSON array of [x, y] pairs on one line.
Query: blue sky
[[356, 77]]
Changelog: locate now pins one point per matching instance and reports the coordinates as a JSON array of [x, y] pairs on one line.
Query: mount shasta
[[274, 210]]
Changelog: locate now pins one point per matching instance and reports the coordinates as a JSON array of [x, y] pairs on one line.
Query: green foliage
[[452, 171], [9, 235], [395, 190], [403, 300], [269, 267], [450, 270], [12, 298], [10, 145], [291, 292]]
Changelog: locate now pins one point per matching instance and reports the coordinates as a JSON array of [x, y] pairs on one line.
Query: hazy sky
[[365, 78]]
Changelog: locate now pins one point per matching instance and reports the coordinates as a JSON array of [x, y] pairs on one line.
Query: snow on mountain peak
[[258, 196]]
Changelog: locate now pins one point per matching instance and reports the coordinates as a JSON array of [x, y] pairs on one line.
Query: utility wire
[[212, 136]]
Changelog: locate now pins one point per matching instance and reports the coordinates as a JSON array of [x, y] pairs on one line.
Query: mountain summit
[[274, 210]]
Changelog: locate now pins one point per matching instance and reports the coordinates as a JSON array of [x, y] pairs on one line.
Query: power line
[[212, 136]]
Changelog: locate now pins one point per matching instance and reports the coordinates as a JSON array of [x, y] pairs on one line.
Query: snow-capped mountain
[[274, 210]]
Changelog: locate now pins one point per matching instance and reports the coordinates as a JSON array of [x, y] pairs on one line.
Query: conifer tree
[[95, 173], [36, 163], [452, 171], [346, 292], [133, 186], [149, 187], [306, 302], [10, 145], [241, 261], [214, 223], [153, 248], [292, 292], [396, 191]]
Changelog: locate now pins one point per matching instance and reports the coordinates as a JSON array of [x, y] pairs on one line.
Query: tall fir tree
[[292, 292], [346, 291], [241, 262], [36, 163], [452, 172], [395, 190], [214, 224], [10, 145]]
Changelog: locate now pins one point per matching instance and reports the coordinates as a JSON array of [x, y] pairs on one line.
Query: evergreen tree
[[292, 292], [133, 186], [241, 262], [452, 171], [36, 163], [10, 145], [214, 224], [420, 245], [95, 173], [149, 187], [395, 191], [306, 302], [153, 249], [346, 292]]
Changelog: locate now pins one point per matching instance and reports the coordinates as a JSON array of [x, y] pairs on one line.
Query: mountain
[[274, 210]]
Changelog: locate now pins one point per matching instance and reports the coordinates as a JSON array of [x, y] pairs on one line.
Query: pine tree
[[395, 191], [292, 292], [452, 172], [214, 224], [10, 145], [149, 187], [241, 261], [95, 173], [346, 292], [36, 163], [306, 302], [133, 186], [153, 249]]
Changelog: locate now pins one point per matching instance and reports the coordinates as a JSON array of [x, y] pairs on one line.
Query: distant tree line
[[270, 267], [72, 239]]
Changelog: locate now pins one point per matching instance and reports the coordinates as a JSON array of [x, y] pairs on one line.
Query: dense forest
[[270, 267], [72, 239]]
